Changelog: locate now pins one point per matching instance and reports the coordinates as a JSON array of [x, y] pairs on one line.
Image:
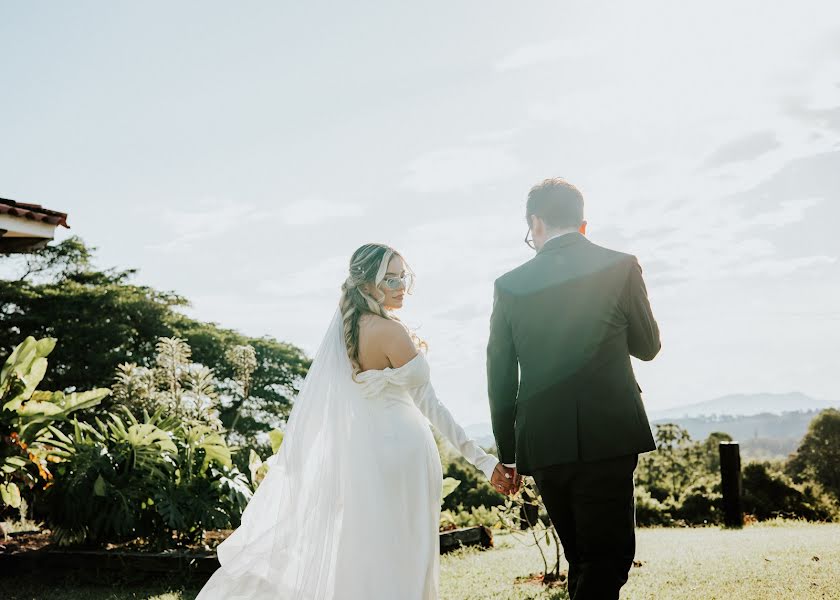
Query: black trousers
[[592, 508]]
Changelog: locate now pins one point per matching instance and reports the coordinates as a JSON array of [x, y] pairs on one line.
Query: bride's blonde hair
[[368, 265]]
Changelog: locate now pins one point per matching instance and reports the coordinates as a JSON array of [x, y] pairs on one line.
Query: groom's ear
[[582, 228]]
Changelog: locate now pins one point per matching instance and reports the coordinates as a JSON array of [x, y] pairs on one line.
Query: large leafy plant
[[26, 413], [152, 478]]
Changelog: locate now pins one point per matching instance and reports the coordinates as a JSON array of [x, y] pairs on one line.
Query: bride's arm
[[430, 405], [400, 349]]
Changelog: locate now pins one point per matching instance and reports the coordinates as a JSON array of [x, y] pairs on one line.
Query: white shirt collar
[[560, 232]]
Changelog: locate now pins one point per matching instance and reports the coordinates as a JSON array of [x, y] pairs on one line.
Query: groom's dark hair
[[557, 202]]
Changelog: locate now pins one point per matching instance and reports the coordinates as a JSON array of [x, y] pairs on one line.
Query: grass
[[772, 560], [776, 560]]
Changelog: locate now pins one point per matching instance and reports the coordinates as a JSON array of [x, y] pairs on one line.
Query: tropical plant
[[21, 522], [175, 385], [109, 474], [450, 484], [155, 478], [243, 359], [26, 412]]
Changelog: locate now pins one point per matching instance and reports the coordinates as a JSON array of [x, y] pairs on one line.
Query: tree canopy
[[818, 455], [101, 319]]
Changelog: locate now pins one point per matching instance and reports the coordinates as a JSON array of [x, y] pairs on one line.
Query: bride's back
[[383, 343]]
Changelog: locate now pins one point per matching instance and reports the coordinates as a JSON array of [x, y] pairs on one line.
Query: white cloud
[[781, 267], [545, 52], [315, 211], [210, 218], [306, 278], [787, 213], [743, 149], [460, 168]]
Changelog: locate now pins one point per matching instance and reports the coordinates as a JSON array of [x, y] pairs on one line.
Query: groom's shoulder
[[512, 278], [590, 253], [606, 260], [611, 255]]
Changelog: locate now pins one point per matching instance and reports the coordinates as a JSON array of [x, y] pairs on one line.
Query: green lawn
[[769, 561]]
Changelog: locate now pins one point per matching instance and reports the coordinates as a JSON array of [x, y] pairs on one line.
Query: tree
[[712, 449], [675, 465], [818, 455], [103, 320], [70, 256], [100, 318], [769, 494]]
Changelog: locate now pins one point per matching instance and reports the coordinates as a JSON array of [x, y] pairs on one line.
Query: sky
[[237, 153]]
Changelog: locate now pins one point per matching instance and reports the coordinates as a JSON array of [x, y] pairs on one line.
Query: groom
[[565, 405]]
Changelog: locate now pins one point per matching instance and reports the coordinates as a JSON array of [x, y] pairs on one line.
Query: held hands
[[505, 480]]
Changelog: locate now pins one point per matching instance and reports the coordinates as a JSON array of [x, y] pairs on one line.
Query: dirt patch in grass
[[552, 581], [31, 541]]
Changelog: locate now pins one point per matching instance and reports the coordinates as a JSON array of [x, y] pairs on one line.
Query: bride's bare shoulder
[[381, 328], [389, 335]]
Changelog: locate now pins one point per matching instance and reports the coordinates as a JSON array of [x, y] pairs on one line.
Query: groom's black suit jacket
[[560, 382]]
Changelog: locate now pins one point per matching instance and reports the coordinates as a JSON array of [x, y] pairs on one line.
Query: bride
[[350, 507]]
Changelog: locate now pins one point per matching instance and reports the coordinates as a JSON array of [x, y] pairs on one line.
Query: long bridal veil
[[295, 525]]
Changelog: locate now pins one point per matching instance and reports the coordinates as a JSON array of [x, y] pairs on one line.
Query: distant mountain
[[744, 405], [764, 435], [479, 430], [767, 425], [731, 405], [481, 433]]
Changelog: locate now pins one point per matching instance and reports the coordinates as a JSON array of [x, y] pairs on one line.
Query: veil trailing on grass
[[296, 523]]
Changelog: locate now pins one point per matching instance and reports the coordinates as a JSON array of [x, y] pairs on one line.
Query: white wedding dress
[[350, 507]]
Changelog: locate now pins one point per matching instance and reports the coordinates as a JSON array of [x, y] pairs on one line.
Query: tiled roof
[[33, 212]]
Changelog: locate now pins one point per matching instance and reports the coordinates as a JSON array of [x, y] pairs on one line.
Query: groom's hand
[[505, 480]]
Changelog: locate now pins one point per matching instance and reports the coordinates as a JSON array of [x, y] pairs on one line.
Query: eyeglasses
[[529, 241], [394, 283]]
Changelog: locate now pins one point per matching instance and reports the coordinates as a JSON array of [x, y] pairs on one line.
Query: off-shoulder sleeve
[[411, 374]]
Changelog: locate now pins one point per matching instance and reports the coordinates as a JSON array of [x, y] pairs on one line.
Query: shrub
[[475, 516], [650, 511], [25, 414], [700, 504], [474, 492], [768, 494], [122, 478]]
